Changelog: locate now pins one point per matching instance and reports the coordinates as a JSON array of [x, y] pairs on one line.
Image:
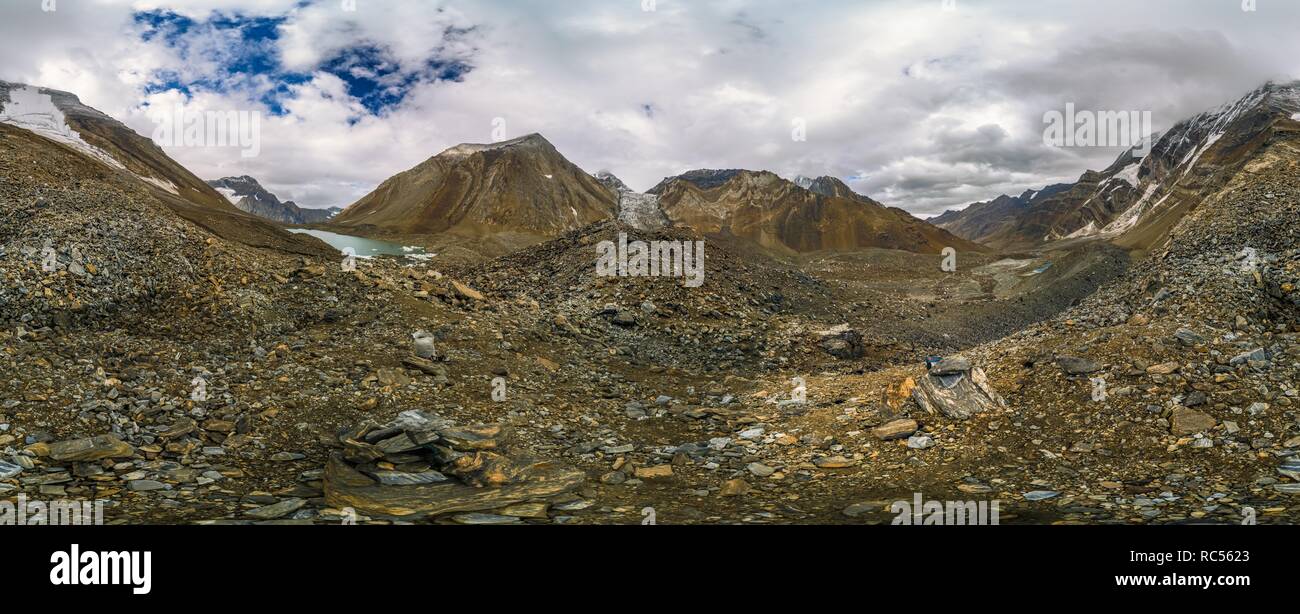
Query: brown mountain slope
[[523, 185], [778, 214], [61, 118]]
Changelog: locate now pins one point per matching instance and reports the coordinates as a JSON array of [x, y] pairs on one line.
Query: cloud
[[915, 106]]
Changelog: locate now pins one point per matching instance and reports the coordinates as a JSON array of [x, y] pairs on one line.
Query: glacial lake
[[364, 248]]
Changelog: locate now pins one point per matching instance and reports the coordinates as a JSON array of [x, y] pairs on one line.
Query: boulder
[[956, 394], [347, 487], [421, 465], [841, 342], [1073, 365], [951, 366]]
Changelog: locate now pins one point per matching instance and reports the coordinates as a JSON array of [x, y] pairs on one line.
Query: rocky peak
[[611, 181], [533, 142]]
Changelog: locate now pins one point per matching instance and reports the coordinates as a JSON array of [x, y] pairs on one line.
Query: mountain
[[822, 214], [250, 197], [523, 185], [1138, 199], [1056, 212], [986, 221], [61, 119], [526, 186]]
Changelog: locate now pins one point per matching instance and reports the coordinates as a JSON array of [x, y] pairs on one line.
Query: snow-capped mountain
[[1138, 198], [249, 196]]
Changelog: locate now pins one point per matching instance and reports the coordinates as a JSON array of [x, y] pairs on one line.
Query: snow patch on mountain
[[230, 195], [161, 183], [1130, 173], [1134, 214], [612, 182], [32, 110], [1296, 117], [1195, 155], [1086, 231]]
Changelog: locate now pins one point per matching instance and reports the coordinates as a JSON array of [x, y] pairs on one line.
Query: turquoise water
[[365, 248]]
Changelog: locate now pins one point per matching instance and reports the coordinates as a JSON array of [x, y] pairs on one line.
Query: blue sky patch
[[231, 52]]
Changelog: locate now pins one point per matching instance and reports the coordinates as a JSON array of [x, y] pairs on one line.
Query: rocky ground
[[185, 378]]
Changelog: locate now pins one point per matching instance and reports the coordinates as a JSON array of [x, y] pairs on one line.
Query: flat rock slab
[[90, 449], [485, 519], [1073, 365], [276, 510], [1187, 421], [1290, 468], [9, 470], [897, 429], [347, 487]]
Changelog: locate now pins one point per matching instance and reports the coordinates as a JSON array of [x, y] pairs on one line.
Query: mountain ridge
[[1138, 197], [780, 214], [248, 195]]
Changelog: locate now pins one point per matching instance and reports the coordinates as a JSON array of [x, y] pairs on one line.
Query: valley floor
[[667, 399]]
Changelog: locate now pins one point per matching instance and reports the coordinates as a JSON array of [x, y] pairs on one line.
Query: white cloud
[[925, 109]]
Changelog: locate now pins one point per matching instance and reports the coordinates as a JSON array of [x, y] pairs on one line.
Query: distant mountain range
[[525, 189], [249, 196], [526, 186], [820, 214]]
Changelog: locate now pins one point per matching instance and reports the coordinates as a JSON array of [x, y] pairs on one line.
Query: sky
[[921, 104]]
